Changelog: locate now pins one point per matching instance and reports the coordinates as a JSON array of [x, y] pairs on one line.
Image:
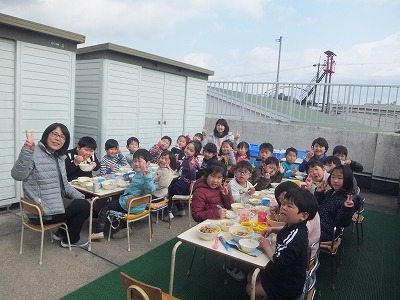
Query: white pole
[[279, 57]]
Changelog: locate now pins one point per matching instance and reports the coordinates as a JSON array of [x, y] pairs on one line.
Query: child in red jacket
[[209, 193]]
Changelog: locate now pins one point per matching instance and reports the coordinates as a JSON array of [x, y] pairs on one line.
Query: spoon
[[215, 246]]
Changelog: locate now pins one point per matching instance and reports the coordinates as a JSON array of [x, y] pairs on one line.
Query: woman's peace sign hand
[[30, 140]]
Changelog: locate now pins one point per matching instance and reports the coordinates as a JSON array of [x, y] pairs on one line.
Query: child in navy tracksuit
[[285, 274]]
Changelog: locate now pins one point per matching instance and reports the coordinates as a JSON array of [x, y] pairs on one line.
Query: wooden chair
[[29, 206], [185, 198], [139, 290], [159, 206], [311, 278], [131, 218], [357, 221], [333, 248]]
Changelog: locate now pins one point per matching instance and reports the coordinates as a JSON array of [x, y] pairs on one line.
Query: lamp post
[[279, 64]]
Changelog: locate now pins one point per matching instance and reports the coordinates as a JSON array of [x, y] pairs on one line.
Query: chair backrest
[[191, 187], [361, 208], [358, 191], [31, 207], [313, 246], [138, 200], [138, 289]]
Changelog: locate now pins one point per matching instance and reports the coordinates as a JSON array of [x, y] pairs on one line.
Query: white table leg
[[92, 201], [171, 275], [253, 284]]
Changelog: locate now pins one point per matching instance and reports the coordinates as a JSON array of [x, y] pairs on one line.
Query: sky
[[237, 39]]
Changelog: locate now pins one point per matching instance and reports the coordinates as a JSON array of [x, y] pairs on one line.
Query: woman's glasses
[[56, 135]]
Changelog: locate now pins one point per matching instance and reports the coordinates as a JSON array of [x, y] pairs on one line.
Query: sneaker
[[171, 216], [81, 243], [97, 235], [181, 212], [58, 235], [121, 233], [235, 273]]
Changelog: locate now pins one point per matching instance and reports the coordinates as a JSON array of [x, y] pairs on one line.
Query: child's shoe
[[58, 235], [235, 272], [97, 235], [98, 231], [171, 216], [181, 212], [121, 233]]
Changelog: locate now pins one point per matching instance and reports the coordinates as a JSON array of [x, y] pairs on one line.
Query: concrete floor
[[64, 271]]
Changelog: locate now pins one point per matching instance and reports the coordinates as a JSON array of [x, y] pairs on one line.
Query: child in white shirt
[[239, 186]]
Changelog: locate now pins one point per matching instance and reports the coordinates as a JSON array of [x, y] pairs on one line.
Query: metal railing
[[357, 107]]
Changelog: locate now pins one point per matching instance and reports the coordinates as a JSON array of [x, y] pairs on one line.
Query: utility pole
[[318, 65], [279, 64]]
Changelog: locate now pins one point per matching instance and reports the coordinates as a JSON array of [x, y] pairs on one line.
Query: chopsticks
[[254, 186]]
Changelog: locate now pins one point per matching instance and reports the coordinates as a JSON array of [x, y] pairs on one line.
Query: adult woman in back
[[41, 169], [220, 134]]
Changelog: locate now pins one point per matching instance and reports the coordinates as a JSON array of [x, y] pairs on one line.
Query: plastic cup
[[96, 187], [244, 217], [262, 216]]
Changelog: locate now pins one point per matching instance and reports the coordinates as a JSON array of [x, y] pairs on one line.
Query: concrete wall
[[378, 152]]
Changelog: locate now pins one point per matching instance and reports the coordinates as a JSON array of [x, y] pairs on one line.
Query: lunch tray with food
[[256, 226]]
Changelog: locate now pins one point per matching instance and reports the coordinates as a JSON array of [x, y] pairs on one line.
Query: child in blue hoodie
[[289, 169], [142, 183]]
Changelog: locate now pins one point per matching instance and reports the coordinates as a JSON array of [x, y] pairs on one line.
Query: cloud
[[371, 62]]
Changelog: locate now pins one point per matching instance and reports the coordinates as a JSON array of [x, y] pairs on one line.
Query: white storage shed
[[37, 87], [122, 92]]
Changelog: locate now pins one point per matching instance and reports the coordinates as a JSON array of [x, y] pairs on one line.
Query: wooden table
[[191, 237], [101, 194]]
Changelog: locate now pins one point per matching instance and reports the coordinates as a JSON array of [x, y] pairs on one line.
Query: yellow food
[[256, 226]]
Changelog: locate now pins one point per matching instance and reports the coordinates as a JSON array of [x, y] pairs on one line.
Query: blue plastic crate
[[302, 154], [254, 150]]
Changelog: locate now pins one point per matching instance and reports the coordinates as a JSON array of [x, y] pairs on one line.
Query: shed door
[[162, 103], [7, 127]]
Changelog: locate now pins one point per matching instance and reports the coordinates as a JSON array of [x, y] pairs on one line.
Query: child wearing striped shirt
[[113, 160]]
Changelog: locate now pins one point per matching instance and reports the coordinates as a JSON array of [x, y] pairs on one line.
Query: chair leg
[[22, 238], [362, 232], [358, 237], [68, 239], [150, 227], [41, 247], [189, 272], [109, 232], [129, 241], [190, 215]]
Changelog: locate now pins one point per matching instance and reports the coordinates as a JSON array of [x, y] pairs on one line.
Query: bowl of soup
[[208, 232], [239, 232]]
